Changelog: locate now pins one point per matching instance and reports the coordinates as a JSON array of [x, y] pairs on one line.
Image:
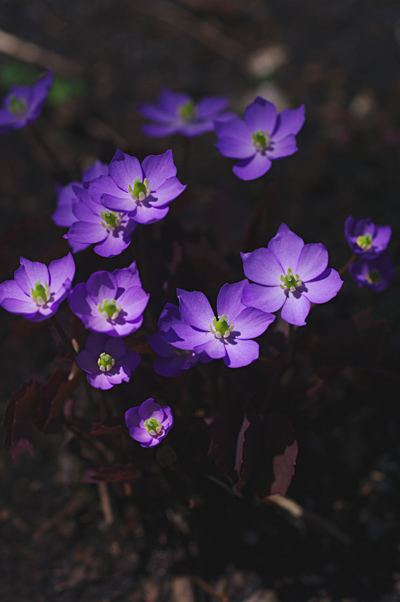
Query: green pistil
[[40, 294], [365, 242], [105, 362], [374, 277], [111, 219], [290, 282], [17, 107], [153, 426], [220, 327], [140, 189], [188, 111], [260, 139], [109, 309]]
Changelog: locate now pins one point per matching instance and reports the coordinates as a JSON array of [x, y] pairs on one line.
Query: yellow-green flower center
[[220, 327], [105, 362], [365, 242], [374, 277], [153, 426], [261, 139], [110, 219], [290, 282], [109, 309], [40, 294], [17, 107], [140, 190], [188, 111]]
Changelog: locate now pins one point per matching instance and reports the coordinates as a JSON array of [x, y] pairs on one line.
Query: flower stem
[[63, 335], [347, 264]]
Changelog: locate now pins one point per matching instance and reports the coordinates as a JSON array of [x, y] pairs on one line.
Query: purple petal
[[313, 261], [262, 266], [183, 336], [104, 185], [148, 215], [286, 246], [210, 106], [124, 169], [134, 302], [235, 149], [150, 409], [63, 215], [158, 168], [87, 362], [99, 381], [10, 290], [127, 277], [323, 288], [229, 300], [86, 233], [289, 121], [159, 131], [260, 115], [121, 203], [168, 418], [253, 167], [18, 306], [169, 316], [30, 273], [140, 434], [132, 417], [382, 238], [296, 309], [169, 367], [101, 285], [115, 347], [233, 128], [95, 344], [195, 309], [214, 348], [155, 113], [78, 301], [251, 323], [169, 191], [265, 298], [241, 354], [112, 245], [282, 148], [95, 171], [165, 350], [172, 101], [60, 271]]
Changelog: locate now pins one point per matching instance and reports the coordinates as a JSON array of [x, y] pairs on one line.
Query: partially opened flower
[[149, 423], [261, 138], [289, 275], [143, 191], [37, 291], [227, 336], [179, 114], [366, 238], [23, 104], [107, 361], [111, 303], [375, 274]]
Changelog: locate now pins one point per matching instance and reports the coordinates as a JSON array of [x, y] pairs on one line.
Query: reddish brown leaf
[[112, 474], [19, 419], [111, 425]]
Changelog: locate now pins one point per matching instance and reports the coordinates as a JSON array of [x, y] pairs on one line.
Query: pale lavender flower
[[37, 291], [149, 423], [376, 273], [289, 275], [111, 303], [261, 138], [107, 361], [366, 238], [176, 113]]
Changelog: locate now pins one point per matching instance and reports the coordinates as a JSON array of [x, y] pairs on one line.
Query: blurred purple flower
[[366, 238], [262, 137], [179, 114], [172, 361], [226, 337], [23, 104], [149, 423], [107, 361], [111, 303], [37, 291], [143, 191], [94, 223], [375, 274], [289, 274]]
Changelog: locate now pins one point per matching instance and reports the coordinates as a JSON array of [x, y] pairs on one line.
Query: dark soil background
[[342, 60]]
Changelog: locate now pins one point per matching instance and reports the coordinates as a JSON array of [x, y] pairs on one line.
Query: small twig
[[105, 503], [347, 264], [63, 335]]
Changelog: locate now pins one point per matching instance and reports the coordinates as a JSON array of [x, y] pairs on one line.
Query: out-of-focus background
[[342, 60]]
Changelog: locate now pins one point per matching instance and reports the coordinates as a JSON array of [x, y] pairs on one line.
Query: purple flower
[[375, 274], [172, 361], [107, 361], [262, 137], [366, 238], [37, 291], [143, 191], [23, 104], [112, 303], [149, 422], [111, 230], [289, 274], [227, 336], [179, 114]]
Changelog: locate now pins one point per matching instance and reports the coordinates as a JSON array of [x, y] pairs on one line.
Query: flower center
[[105, 362], [111, 219], [374, 277], [140, 189], [40, 294], [260, 139], [188, 111], [153, 426], [16, 107], [290, 282], [109, 309], [365, 242], [220, 327]]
